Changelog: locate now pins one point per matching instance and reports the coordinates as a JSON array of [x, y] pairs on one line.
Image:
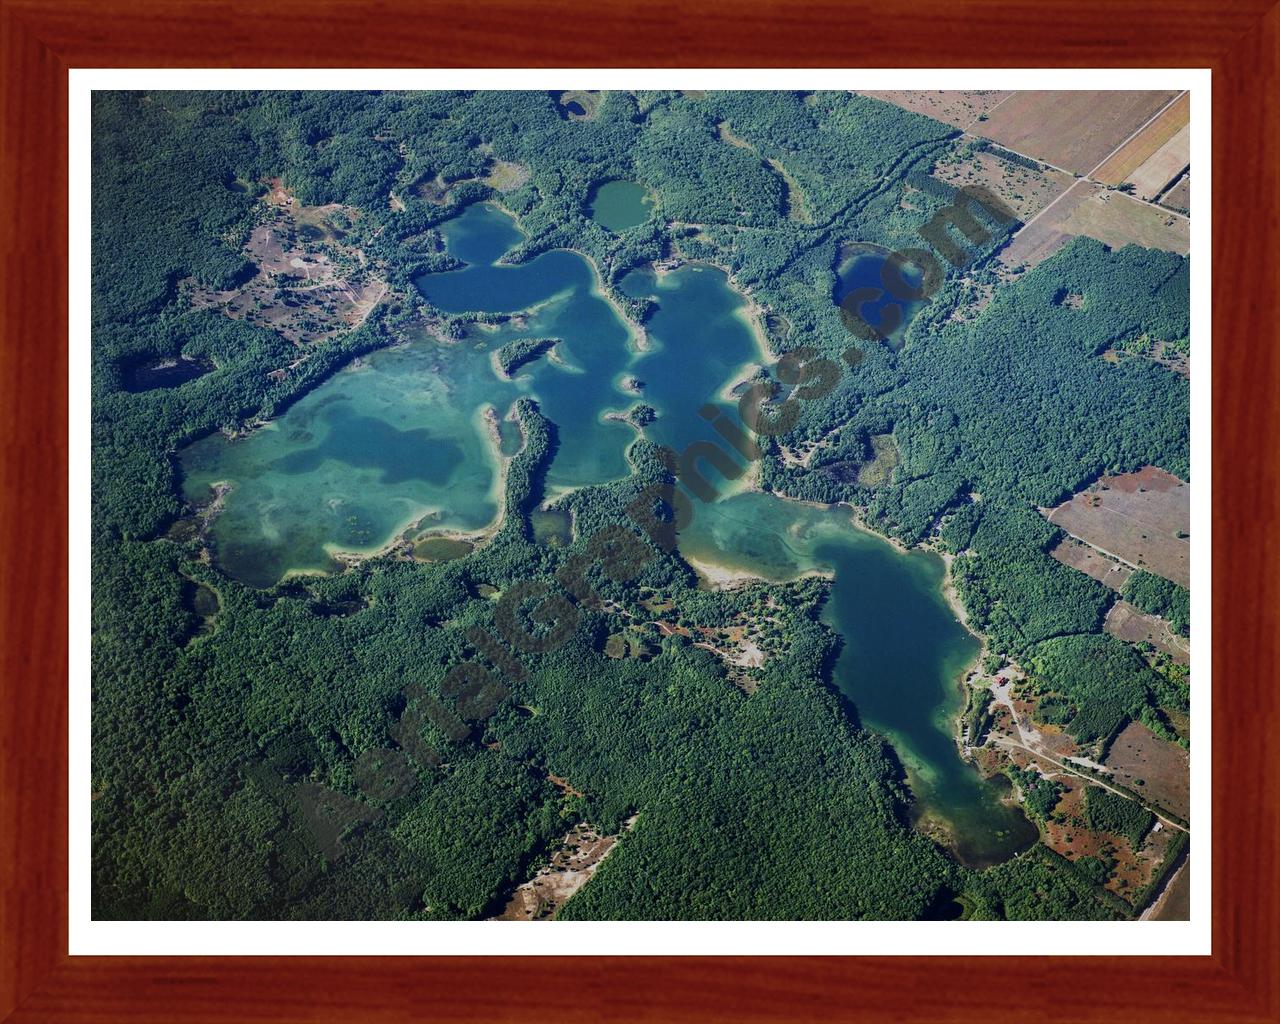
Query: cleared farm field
[[1117, 220], [1072, 130], [1163, 767], [1125, 622], [960, 107], [1144, 145], [1179, 197], [1164, 165], [1027, 191], [1089, 561], [1141, 518], [1039, 240]]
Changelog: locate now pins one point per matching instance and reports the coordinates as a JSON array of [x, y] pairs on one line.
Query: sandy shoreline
[[723, 577]]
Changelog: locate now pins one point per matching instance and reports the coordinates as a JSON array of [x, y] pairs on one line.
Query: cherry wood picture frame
[[41, 39]]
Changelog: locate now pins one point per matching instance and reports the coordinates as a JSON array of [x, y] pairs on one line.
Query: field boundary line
[[1089, 177]]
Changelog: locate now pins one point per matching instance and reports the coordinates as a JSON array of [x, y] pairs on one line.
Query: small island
[[515, 354]]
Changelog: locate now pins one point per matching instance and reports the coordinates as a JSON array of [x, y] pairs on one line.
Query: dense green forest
[[378, 743], [1110, 813], [1096, 684], [1159, 596]]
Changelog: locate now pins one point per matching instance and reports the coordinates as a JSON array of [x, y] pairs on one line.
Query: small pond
[[618, 205], [166, 373]]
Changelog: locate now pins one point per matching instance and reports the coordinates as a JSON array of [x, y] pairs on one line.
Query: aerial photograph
[[641, 506]]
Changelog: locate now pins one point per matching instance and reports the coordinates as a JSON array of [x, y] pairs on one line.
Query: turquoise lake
[[399, 444], [903, 653], [377, 448]]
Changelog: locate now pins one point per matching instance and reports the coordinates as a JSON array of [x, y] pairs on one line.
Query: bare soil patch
[[1068, 833], [310, 285], [1137, 518], [733, 645], [569, 869], [1090, 562], [1164, 768], [1051, 739], [1071, 130]]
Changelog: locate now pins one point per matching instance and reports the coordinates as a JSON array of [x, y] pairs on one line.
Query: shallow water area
[[556, 296], [352, 464], [401, 436]]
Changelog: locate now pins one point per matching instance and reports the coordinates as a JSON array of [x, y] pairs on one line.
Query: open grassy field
[[1141, 518], [1112, 217], [1117, 220], [506, 176], [1122, 164], [879, 471], [958, 107], [1090, 562], [1072, 130], [1163, 767], [580, 104], [1126, 622], [1027, 191], [797, 203]]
